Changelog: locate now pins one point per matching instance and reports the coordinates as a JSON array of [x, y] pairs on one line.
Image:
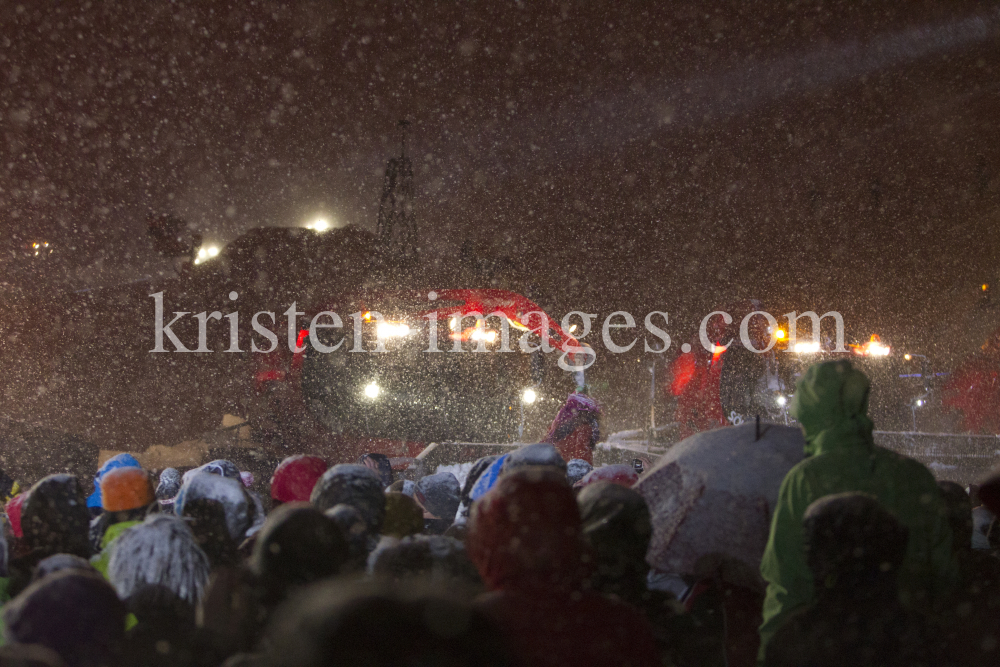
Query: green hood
[[831, 403], [102, 560]]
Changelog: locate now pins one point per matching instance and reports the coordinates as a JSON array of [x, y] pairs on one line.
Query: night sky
[[827, 155]]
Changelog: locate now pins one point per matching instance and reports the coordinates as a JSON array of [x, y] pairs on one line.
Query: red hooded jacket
[[695, 383], [576, 429], [526, 540], [974, 389]]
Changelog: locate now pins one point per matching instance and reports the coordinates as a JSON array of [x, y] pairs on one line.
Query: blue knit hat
[[488, 478]]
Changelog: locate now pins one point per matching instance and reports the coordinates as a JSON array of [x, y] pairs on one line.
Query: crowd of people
[[528, 560]]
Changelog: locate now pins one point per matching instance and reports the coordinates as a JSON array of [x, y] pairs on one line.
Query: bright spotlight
[[392, 329], [372, 390], [205, 253], [782, 400], [319, 225], [487, 335], [529, 396], [878, 350]]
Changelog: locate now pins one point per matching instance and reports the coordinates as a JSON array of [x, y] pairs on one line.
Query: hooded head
[[853, 544], [76, 614], [158, 609], [355, 530], [576, 470], [831, 404], [477, 469], [959, 515], [170, 484], [538, 454], [616, 522], [126, 489], [295, 477], [207, 521], [297, 546], [403, 516], [436, 559], [332, 624], [162, 551], [117, 461], [54, 516], [223, 468], [488, 478], [381, 464], [525, 534], [226, 492], [58, 563], [439, 495], [579, 411], [354, 485]]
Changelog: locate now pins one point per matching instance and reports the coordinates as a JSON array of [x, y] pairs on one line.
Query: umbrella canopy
[[714, 492]]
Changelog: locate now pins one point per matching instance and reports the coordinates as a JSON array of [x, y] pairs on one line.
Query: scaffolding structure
[[397, 222]]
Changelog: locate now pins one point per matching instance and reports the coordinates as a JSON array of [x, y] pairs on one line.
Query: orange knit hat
[[126, 489]]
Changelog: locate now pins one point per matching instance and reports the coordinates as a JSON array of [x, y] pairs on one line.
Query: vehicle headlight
[[529, 396], [878, 350], [487, 335], [392, 329]]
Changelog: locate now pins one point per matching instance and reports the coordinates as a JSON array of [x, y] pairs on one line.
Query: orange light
[[779, 334], [875, 348], [367, 316], [985, 286]]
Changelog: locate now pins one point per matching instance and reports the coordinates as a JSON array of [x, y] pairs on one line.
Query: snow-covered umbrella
[[715, 492]]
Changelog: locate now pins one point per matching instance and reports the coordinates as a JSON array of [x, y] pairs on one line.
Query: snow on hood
[[170, 484], [355, 485], [161, 551], [538, 454], [228, 492]]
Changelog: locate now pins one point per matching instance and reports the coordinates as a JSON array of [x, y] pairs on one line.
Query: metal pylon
[[397, 223]]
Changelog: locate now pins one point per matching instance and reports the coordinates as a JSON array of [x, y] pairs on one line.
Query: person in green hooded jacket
[[831, 404]]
